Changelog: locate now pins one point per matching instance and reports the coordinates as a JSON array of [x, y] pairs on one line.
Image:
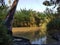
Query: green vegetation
[[5, 39], [53, 27], [25, 18], [30, 18]]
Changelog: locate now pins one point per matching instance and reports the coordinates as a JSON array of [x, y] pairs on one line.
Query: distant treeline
[[24, 18], [27, 18]]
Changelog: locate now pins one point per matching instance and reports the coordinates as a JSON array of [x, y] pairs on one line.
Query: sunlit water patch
[[39, 41]]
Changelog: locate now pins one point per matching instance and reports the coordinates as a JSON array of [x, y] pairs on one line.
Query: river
[[35, 35]]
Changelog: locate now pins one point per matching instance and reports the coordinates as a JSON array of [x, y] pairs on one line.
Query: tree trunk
[[10, 15]]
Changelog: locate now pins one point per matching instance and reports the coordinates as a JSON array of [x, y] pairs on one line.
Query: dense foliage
[[5, 38], [54, 24], [53, 27], [27, 18]]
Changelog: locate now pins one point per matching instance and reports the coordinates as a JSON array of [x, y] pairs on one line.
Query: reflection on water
[[36, 37], [40, 41]]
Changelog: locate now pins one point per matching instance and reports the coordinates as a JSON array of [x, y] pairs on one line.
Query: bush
[[5, 39], [53, 26]]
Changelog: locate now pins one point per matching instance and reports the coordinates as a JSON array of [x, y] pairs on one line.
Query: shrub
[[5, 39], [53, 26]]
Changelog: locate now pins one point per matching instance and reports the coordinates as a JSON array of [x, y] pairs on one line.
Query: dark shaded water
[[23, 41]]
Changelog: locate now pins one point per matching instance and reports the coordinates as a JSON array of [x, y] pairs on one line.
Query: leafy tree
[[53, 2], [53, 29], [5, 39]]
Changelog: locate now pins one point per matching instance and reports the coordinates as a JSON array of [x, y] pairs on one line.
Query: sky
[[36, 5]]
